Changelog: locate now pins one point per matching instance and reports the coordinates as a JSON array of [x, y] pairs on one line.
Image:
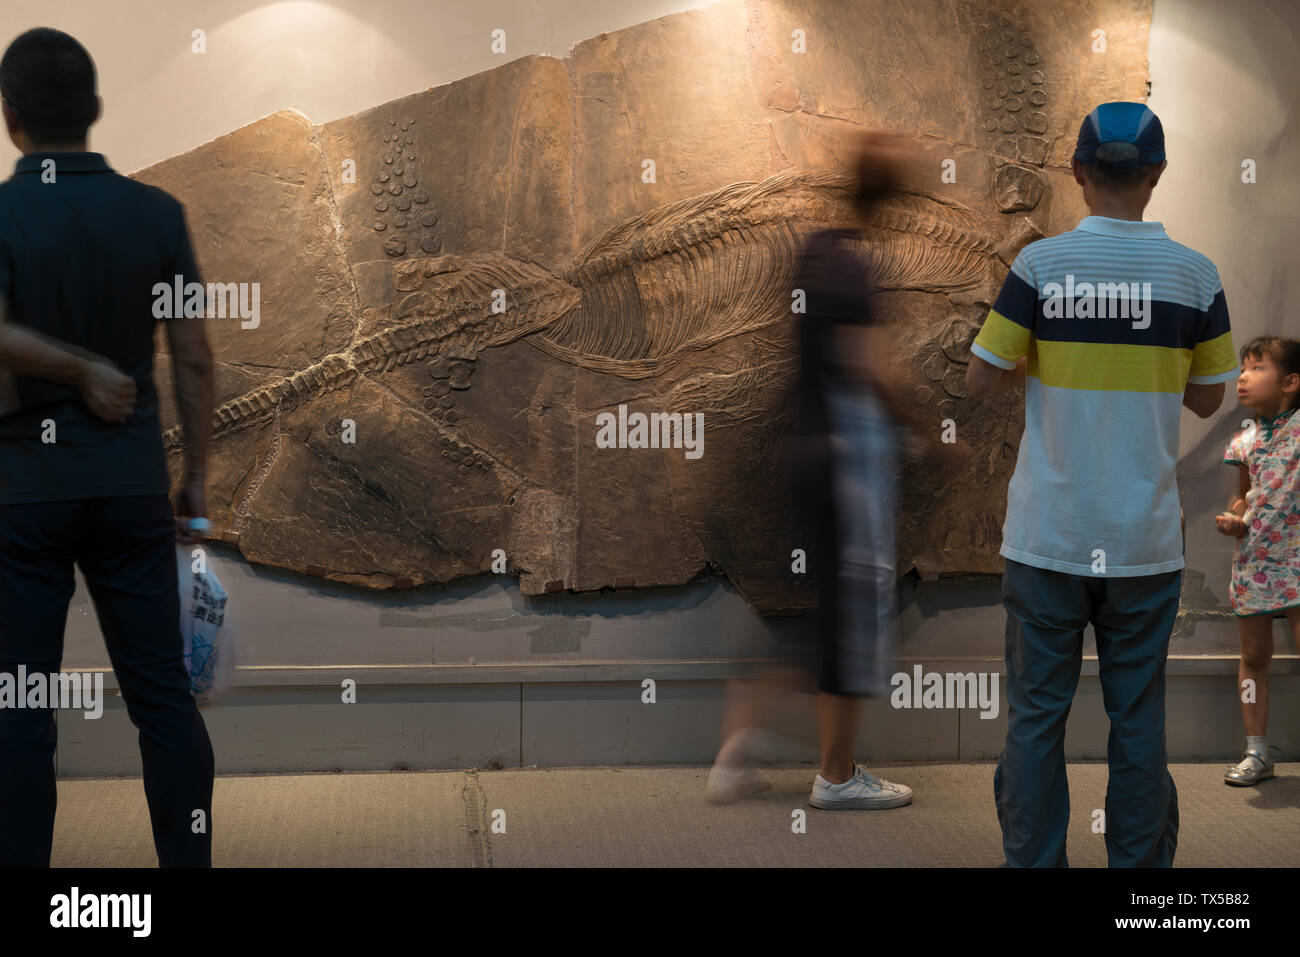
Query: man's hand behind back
[[108, 392]]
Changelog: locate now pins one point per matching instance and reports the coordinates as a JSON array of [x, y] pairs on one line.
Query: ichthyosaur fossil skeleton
[[506, 276], [607, 314]]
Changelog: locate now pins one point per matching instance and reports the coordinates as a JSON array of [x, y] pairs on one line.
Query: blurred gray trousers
[[861, 656], [1132, 618]]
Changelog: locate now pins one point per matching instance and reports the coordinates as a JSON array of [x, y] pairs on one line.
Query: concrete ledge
[[676, 669], [437, 726]]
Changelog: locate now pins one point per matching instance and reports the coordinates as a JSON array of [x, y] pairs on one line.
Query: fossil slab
[[439, 335]]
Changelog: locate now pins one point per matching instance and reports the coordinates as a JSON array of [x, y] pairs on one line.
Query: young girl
[[1264, 515]]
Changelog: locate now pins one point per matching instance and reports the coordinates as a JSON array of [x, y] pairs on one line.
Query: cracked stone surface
[[438, 336]]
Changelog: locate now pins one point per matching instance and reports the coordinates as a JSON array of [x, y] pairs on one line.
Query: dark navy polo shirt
[[79, 259]]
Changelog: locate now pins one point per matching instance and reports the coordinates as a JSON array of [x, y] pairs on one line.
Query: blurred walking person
[[844, 449]]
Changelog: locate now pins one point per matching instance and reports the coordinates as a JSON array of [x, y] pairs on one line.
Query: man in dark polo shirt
[[83, 475]]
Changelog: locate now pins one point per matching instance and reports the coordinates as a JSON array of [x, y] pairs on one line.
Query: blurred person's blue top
[[80, 255]]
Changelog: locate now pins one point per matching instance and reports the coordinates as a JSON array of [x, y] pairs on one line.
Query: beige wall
[[1225, 82], [324, 58], [1226, 86]]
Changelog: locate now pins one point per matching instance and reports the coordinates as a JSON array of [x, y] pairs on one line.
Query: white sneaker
[[729, 784], [731, 779], [863, 791]]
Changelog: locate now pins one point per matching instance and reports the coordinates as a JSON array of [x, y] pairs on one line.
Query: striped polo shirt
[[1115, 319]]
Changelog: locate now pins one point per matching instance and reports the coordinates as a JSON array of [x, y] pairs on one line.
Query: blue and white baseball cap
[[1121, 122]]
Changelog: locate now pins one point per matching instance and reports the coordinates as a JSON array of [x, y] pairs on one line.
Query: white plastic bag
[[209, 652]]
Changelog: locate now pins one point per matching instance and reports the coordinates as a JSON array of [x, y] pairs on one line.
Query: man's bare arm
[[984, 379], [1204, 400], [109, 393], [26, 352], [192, 372]]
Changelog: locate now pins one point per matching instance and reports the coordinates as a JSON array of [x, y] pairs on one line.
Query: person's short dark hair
[[1101, 175], [48, 78]]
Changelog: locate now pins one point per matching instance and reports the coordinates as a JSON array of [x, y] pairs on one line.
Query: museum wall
[[324, 59], [1223, 81], [1220, 75]]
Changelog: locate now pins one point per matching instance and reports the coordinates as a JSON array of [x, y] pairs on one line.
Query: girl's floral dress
[[1266, 564]]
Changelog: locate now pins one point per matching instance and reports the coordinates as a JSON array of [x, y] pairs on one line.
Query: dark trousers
[[1132, 618], [126, 549]]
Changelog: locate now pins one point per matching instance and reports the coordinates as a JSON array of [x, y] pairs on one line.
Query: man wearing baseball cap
[[1112, 327]]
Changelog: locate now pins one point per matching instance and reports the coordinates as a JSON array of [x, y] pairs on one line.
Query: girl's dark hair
[[1284, 352], [48, 78]]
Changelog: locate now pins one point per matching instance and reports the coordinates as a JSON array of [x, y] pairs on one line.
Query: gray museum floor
[[649, 817]]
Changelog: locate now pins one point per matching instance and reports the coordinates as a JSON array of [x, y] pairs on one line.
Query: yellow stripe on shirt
[[1110, 367], [1214, 356], [1002, 337]]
